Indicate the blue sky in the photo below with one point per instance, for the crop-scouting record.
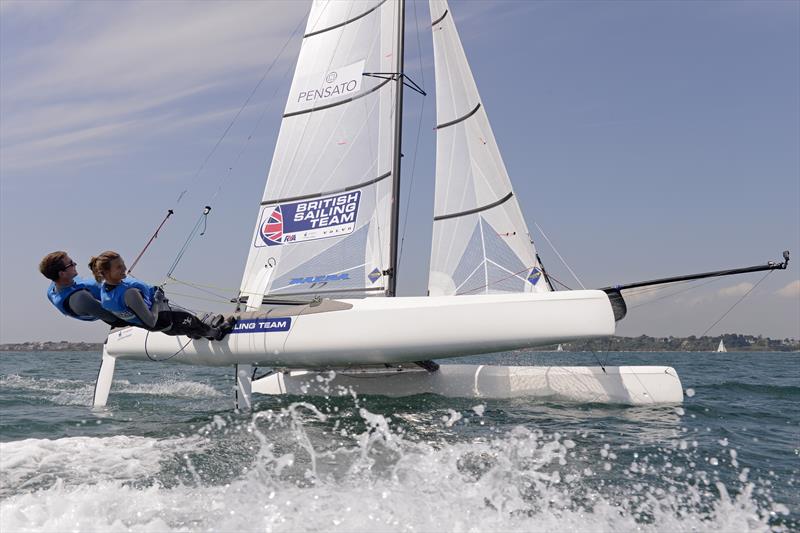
(647, 139)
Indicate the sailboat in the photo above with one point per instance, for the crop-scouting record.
(721, 347)
(317, 302)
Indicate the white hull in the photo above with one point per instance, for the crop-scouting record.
(387, 330)
(627, 385)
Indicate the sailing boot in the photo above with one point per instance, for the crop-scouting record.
(225, 328)
(212, 321)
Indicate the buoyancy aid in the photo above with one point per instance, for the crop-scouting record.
(113, 298)
(59, 297)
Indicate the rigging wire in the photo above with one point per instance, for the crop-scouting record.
(204, 216)
(244, 105)
(195, 229)
(497, 281)
(737, 302)
(654, 289)
(558, 254)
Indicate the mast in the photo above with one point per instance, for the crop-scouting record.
(398, 137)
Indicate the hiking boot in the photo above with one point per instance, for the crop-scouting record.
(213, 321)
(225, 328)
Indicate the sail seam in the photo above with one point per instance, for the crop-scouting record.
(437, 21)
(320, 108)
(456, 121)
(362, 15)
(475, 210)
(319, 194)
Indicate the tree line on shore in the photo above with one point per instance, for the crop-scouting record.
(734, 342)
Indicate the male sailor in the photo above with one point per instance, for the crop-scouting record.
(145, 306)
(72, 295)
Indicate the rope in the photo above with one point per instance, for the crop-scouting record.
(549, 275)
(737, 303)
(146, 246)
(205, 289)
(147, 353)
(189, 239)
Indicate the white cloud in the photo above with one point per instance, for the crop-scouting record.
(108, 68)
(736, 290)
(791, 290)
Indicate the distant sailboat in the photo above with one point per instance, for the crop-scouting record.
(721, 347)
(560, 348)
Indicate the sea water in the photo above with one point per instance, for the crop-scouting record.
(169, 454)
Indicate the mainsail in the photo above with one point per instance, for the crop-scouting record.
(324, 222)
(480, 241)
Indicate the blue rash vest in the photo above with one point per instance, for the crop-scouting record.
(59, 297)
(113, 298)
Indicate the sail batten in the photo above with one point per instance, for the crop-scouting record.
(317, 195)
(339, 25)
(481, 243)
(460, 119)
(476, 209)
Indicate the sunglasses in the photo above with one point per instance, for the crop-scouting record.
(70, 265)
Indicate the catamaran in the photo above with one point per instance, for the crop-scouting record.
(318, 293)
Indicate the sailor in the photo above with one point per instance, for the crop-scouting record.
(72, 295)
(143, 305)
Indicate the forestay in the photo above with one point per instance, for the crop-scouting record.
(480, 241)
(324, 221)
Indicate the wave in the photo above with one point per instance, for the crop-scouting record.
(305, 467)
(522, 481)
(31, 464)
(382, 507)
(760, 388)
(78, 392)
(182, 389)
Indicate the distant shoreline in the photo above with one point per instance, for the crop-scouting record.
(643, 343)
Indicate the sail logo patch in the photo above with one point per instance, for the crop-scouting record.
(324, 87)
(374, 275)
(262, 325)
(308, 220)
(535, 276)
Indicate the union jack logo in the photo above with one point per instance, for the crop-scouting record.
(272, 229)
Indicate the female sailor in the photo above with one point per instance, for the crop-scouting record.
(143, 305)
